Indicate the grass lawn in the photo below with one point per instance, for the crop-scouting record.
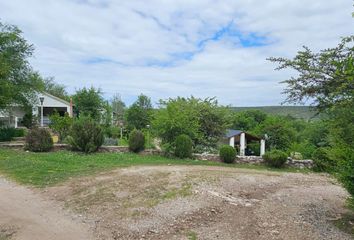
(44, 169)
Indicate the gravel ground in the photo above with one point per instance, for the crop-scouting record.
(176, 202)
(203, 202)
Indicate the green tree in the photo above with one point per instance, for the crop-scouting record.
(327, 78)
(202, 120)
(18, 82)
(60, 124)
(89, 102)
(55, 89)
(139, 114)
(280, 133)
(118, 108)
(248, 120)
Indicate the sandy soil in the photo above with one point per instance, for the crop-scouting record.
(177, 202)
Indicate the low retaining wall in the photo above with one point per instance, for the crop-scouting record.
(255, 160)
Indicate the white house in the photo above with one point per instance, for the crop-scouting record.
(46, 104)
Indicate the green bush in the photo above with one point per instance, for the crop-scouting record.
(227, 154)
(28, 120)
(61, 125)
(322, 160)
(39, 140)
(136, 141)
(86, 135)
(275, 158)
(7, 134)
(183, 146)
(110, 141)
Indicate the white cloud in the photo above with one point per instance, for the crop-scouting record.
(125, 41)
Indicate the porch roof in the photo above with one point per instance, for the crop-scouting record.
(233, 132)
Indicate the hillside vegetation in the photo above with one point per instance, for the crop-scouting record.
(303, 112)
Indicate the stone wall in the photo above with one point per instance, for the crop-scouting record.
(307, 163)
(255, 160)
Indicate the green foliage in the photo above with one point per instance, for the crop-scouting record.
(227, 153)
(28, 120)
(55, 89)
(110, 142)
(202, 120)
(298, 112)
(89, 102)
(327, 79)
(280, 133)
(139, 115)
(18, 82)
(248, 120)
(39, 140)
(118, 108)
(304, 147)
(322, 160)
(136, 141)
(61, 124)
(86, 135)
(183, 146)
(111, 131)
(275, 158)
(8, 133)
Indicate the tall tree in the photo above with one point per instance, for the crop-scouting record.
(18, 82)
(327, 78)
(89, 102)
(139, 114)
(118, 108)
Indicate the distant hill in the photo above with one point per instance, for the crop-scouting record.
(304, 112)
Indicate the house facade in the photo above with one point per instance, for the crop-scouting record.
(45, 105)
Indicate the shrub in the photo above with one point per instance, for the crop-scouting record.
(39, 140)
(110, 142)
(227, 154)
(85, 135)
(183, 146)
(275, 158)
(296, 156)
(136, 141)
(322, 160)
(6, 134)
(112, 132)
(28, 120)
(61, 125)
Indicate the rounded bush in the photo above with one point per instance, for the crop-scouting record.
(227, 154)
(39, 140)
(183, 146)
(86, 135)
(322, 162)
(136, 141)
(275, 158)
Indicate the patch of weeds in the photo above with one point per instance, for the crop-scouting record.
(6, 233)
(183, 191)
(192, 235)
(346, 222)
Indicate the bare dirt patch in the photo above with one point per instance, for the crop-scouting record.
(26, 215)
(204, 202)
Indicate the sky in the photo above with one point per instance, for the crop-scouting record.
(166, 48)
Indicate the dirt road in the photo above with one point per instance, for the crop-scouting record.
(26, 215)
(178, 202)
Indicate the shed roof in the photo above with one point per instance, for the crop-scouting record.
(233, 132)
